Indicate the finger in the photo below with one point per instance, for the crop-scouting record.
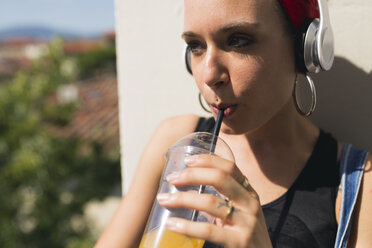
(207, 203)
(203, 230)
(213, 161)
(220, 180)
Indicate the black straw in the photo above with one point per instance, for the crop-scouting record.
(216, 131)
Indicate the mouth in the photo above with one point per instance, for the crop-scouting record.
(228, 109)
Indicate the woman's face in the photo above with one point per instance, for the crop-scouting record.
(242, 55)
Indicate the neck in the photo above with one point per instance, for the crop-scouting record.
(286, 128)
(277, 151)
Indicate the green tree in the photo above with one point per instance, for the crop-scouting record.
(97, 61)
(45, 180)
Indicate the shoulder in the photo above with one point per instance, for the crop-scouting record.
(168, 132)
(152, 160)
(178, 125)
(173, 128)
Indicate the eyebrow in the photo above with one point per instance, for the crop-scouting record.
(227, 28)
(188, 34)
(240, 24)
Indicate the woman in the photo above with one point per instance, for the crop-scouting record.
(243, 61)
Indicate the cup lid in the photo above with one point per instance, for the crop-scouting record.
(204, 141)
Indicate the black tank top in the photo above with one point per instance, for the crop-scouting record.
(304, 216)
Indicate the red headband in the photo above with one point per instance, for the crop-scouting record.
(299, 10)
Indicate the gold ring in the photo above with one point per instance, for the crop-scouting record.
(245, 183)
(230, 210)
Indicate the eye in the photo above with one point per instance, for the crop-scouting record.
(239, 41)
(194, 46)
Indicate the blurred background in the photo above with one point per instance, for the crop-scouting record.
(59, 130)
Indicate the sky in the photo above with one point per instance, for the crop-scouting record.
(83, 16)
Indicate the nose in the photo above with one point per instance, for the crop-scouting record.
(214, 70)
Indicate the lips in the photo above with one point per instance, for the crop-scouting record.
(229, 109)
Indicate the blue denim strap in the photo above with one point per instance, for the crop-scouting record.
(351, 171)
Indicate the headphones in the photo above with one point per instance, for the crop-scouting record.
(314, 46)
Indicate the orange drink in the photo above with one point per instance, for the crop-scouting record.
(156, 234)
(169, 239)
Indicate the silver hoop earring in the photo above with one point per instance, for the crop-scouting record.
(202, 105)
(313, 97)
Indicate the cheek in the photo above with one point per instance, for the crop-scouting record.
(246, 74)
(260, 80)
(280, 74)
(249, 77)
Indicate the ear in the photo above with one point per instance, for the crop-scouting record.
(188, 59)
(300, 45)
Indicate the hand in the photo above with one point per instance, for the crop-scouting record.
(240, 225)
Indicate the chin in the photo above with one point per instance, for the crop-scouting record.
(237, 127)
(227, 129)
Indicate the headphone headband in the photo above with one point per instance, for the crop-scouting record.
(325, 49)
(300, 10)
(315, 37)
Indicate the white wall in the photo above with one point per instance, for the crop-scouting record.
(153, 82)
(150, 60)
(352, 25)
(345, 103)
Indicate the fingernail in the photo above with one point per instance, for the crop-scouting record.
(173, 176)
(163, 197)
(174, 225)
(190, 160)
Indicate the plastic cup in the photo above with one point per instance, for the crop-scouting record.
(156, 235)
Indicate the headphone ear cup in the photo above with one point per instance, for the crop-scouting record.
(300, 48)
(188, 59)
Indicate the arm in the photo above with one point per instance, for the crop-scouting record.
(126, 226)
(360, 233)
